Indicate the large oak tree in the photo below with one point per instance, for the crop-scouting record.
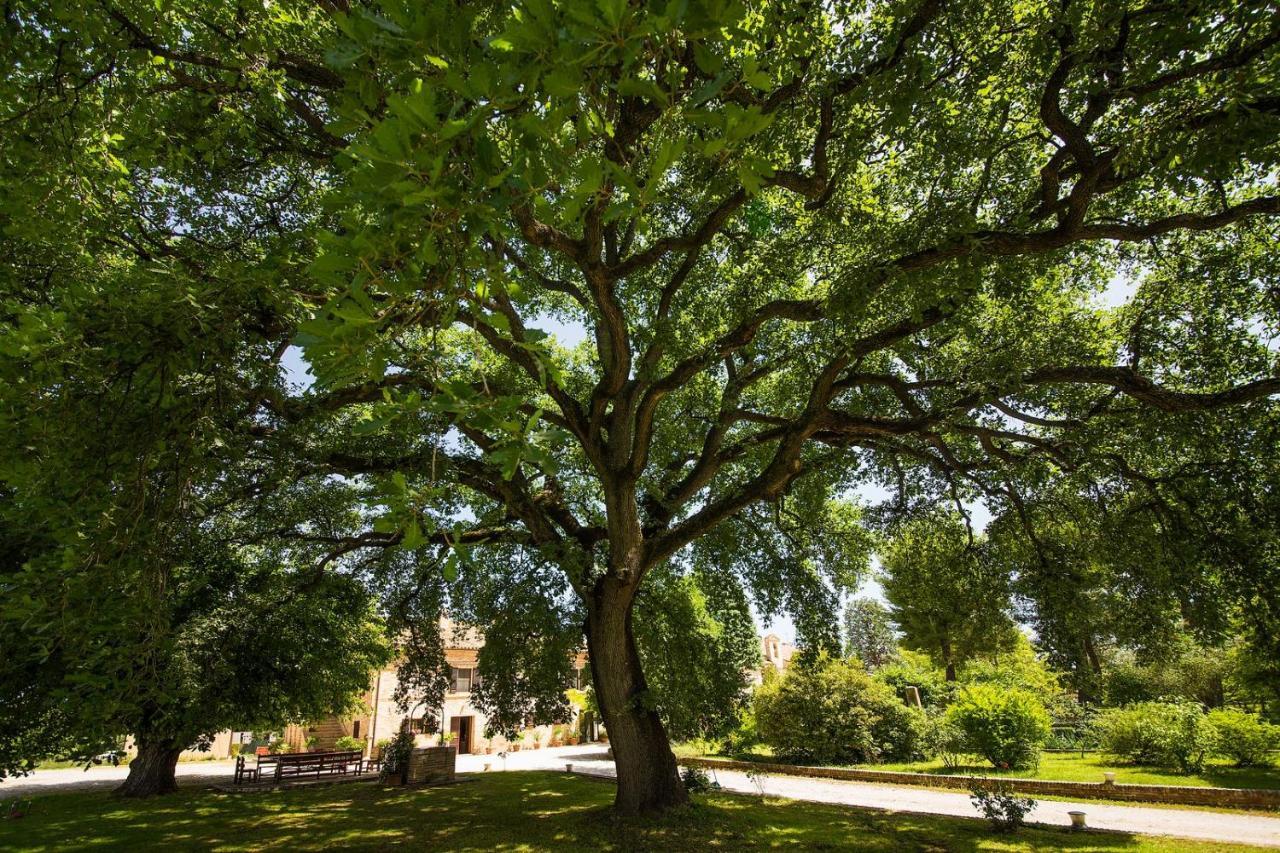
(810, 246)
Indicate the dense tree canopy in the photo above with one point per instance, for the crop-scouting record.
(947, 597)
(811, 246)
(868, 632)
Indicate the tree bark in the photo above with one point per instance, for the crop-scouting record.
(648, 778)
(152, 771)
(946, 658)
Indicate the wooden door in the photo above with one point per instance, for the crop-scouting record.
(461, 728)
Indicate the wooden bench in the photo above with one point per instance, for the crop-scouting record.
(299, 764)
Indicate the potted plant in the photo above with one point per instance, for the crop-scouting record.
(448, 738)
(347, 743)
(395, 759)
(310, 743)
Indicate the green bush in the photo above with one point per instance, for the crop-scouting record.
(1161, 734)
(347, 743)
(1244, 738)
(396, 755)
(745, 736)
(1006, 726)
(1000, 804)
(913, 669)
(830, 711)
(944, 740)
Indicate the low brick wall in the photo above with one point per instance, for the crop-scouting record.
(431, 764)
(1182, 795)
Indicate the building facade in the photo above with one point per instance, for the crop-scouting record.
(463, 721)
(382, 718)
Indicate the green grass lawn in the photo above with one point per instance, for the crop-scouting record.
(1072, 767)
(508, 811)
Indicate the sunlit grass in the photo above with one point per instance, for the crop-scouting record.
(508, 812)
(1072, 767)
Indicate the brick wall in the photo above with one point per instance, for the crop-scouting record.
(1182, 795)
(431, 764)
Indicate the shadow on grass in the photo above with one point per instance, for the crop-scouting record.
(501, 811)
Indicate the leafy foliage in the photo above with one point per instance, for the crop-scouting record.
(1189, 672)
(697, 644)
(915, 669)
(868, 634)
(946, 597)
(1162, 734)
(349, 743)
(1006, 726)
(813, 248)
(1244, 738)
(999, 804)
(396, 755)
(830, 711)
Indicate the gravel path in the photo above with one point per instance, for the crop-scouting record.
(189, 773)
(1262, 830)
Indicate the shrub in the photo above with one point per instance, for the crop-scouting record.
(1007, 727)
(944, 740)
(695, 779)
(830, 711)
(999, 804)
(396, 754)
(745, 736)
(347, 743)
(1162, 734)
(1244, 738)
(913, 669)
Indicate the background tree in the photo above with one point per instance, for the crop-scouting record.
(868, 632)
(145, 591)
(697, 644)
(945, 596)
(810, 248)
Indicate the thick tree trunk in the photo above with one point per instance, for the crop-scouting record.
(152, 770)
(648, 778)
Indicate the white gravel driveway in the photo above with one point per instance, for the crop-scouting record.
(106, 778)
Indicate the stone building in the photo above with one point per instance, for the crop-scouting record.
(457, 715)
